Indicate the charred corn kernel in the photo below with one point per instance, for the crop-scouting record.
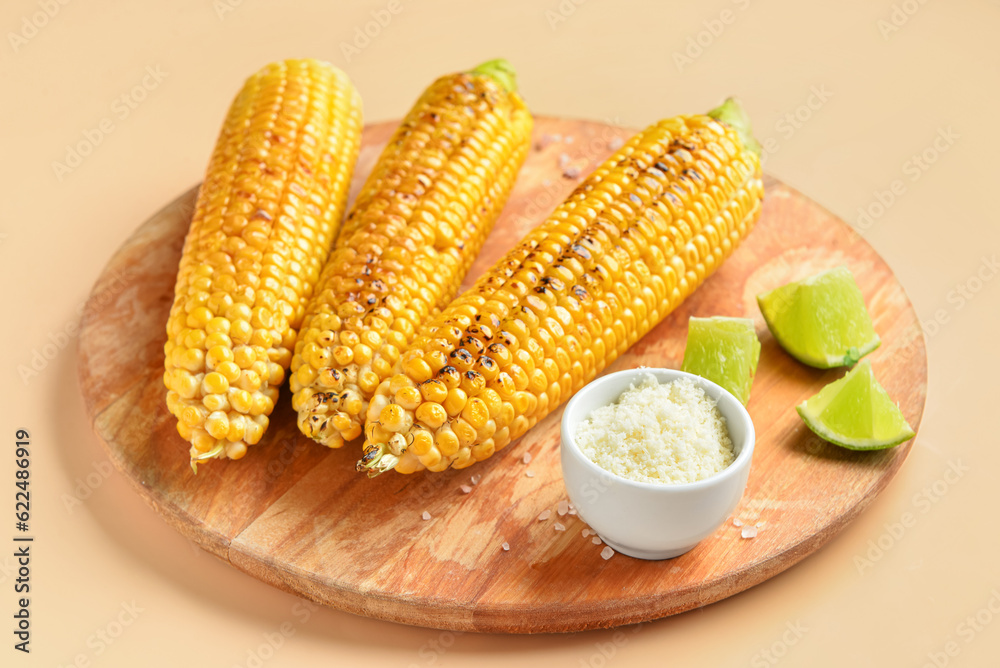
(266, 215)
(413, 232)
(634, 239)
(433, 390)
(352, 402)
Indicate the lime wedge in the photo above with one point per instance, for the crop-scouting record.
(856, 413)
(725, 351)
(821, 320)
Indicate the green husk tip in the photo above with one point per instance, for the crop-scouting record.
(501, 71)
(732, 113)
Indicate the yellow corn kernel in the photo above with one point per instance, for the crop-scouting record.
(393, 418)
(342, 355)
(475, 412)
(431, 414)
(236, 450)
(194, 415)
(217, 424)
(216, 402)
(240, 400)
(465, 432)
(214, 383)
(446, 441)
(408, 397)
(341, 421)
(434, 391)
(422, 442)
(398, 382)
(201, 440)
(417, 369)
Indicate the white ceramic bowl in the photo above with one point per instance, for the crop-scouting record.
(652, 520)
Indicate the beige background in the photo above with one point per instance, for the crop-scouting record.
(885, 97)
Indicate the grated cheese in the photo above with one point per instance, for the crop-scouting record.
(669, 433)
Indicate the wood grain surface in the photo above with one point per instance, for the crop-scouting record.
(297, 515)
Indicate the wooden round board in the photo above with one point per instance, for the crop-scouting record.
(297, 515)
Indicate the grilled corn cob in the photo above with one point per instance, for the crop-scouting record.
(419, 222)
(632, 241)
(265, 218)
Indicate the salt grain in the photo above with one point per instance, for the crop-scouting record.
(572, 511)
(596, 540)
(585, 533)
(505, 546)
(558, 527)
(426, 515)
(544, 515)
(607, 553)
(466, 489)
(571, 172)
(737, 522)
(749, 532)
(563, 160)
(530, 474)
(476, 478)
(563, 508)
(527, 458)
